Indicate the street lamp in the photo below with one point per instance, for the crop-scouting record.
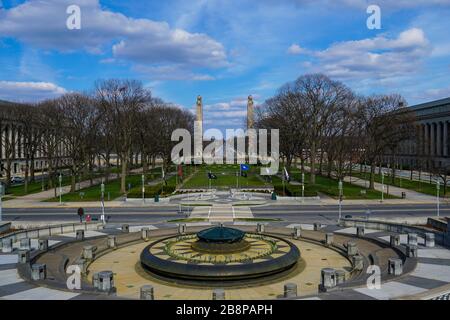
(2, 191)
(143, 187)
(382, 186)
(438, 186)
(60, 188)
(340, 198)
(368, 213)
(303, 186)
(102, 190)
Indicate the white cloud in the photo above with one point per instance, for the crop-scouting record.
(171, 72)
(374, 58)
(42, 23)
(397, 4)
(29, 91)
(295, 49)
(435, 94)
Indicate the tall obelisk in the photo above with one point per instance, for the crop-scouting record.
(199, 109)
(198, 132)
(250, 112)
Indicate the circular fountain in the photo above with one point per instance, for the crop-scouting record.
(219, 254)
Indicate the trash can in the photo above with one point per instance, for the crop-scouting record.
(403, 195)
(274, 196)
(157, 198)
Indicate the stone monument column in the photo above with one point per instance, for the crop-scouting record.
(250, 112)
(198, 132)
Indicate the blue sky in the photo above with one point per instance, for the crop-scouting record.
(224, 50)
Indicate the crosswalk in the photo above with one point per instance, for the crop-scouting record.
(432, 270)
(218, 213)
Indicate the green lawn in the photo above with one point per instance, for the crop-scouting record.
(34, 187)
(419, 186)
(133, 183)
(330, 187)
(226, 177)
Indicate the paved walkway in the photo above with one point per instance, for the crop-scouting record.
(429, 280)
(221, 213)
(35, 199)
(395, 191)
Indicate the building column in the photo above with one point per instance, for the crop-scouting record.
(439, 139)
(432, 139)
(423, 129)
(445, 138)
(427, 139)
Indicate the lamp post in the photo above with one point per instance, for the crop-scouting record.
(2, 190)
(382, 186)
(340, 185)
(42, 180)
(102, 190)
(60, 188)
(143, 187)
(303, 186)
(438, 186)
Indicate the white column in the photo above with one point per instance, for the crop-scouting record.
(432, 139)
(439, 139)
(427, 140)
(445, 138)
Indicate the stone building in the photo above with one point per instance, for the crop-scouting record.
(431, 146)
(12, 146)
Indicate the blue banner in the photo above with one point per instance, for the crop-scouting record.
(245, 167)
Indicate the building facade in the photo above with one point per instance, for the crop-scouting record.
(430, 147)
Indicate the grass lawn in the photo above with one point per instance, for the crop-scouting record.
(226, 177)
(419, 186)
(34, 187)
(330, 188)
(133, 183)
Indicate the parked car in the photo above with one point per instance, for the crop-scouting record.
(17, 180)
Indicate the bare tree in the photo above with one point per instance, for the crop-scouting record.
(31, 133)
(386, 125)
(122, 100)
(79, 127)
(9, 136)
(50, 120)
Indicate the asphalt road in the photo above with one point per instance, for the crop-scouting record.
(150, 215)
(329, 213)
(288, 213)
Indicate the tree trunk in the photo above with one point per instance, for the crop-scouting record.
(32, 170)
(107, 167)
(144, 164)
(27, 168)
(118, 165)
(73, 179)
(372, 177)
(8, 172)
(321, 162)
(312, 176)
(123, 178)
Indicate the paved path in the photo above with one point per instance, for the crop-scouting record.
(33, 198)
(395, 191)
(430, 279)
(12, 287)
(221, 213)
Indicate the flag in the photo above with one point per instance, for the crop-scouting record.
(286, 175)
(211, 175)
(245, 167)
